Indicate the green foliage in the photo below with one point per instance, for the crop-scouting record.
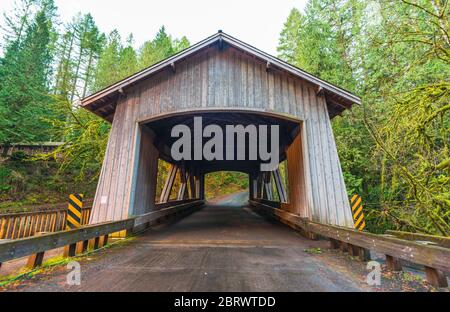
(85, 136)
(24, 76)
(85, 139)
(37, 106)
(24, 183)
(77, 53)
(395, 55)
(394, 150)
(116, 62)
(4, 181)
(223, 183)
(161, 47)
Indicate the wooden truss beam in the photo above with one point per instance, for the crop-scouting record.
(279, 186)
(267, 180)
(165, 194)
(183, 186)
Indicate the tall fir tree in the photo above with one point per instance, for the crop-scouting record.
(25, 71)
(395, 56)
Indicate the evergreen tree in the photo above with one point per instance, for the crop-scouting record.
(161, 47)
(108, 70)
(78, 52)
(395, 56)
(290, 37)
(24, 81)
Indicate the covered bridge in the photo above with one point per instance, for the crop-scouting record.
(224, 81)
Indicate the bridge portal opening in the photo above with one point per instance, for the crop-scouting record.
(223, 184)
(162, 177)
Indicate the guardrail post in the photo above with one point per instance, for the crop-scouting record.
(351, 250)
(35, 260)
(343, 247)
(105, 240)
(70, 251)
(393, 264)
(334, 244)
(311, 236)
(356, 251)
(96, 243)
(436, 278)
(82, 247)
(363, 254)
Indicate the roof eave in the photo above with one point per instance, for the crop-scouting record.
(115, 89)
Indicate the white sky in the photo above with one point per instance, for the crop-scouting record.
(258, 23)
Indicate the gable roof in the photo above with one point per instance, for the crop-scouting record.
(338, 98)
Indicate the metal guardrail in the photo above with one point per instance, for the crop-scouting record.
(436, 259)
(22, 225)
(36, 246)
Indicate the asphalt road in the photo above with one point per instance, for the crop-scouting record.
(220, 248)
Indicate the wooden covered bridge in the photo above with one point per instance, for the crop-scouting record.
(223, 82)
(226, 82)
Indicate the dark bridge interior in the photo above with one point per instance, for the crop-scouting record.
(162, 128)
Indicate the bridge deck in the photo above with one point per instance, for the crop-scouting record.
(220, 248)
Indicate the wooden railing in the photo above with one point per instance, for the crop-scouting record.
(422, 238)
(435, 259)
(95, 235)
(22, 225)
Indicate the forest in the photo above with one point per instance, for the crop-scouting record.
(394, 148)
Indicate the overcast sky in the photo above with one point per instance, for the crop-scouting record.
(256, 22)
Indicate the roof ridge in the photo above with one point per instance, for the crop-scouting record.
(219, 36)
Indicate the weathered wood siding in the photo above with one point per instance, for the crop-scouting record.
(143, 187)
(223, 79)
(299, 202)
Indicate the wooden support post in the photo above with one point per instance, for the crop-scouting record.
(192, 186)
(197, 186)
(352, 250)
(70, 251)
(202, 187)
(436, 278)
(3, 229)
(279, 185)
(94, 243)
(35, 260)
(182, 190)
(82, 247)
(343, 246)
(267, 181)
(105, 240)
(312, 236)
(393, 264)
(334, 244)
(97, 243)
(259, 186)
(165, 194)
(252, 186)
(362, 253)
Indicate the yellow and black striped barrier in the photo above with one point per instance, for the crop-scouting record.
(358, 215)
(74, 211)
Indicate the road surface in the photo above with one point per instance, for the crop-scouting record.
(219, 248)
